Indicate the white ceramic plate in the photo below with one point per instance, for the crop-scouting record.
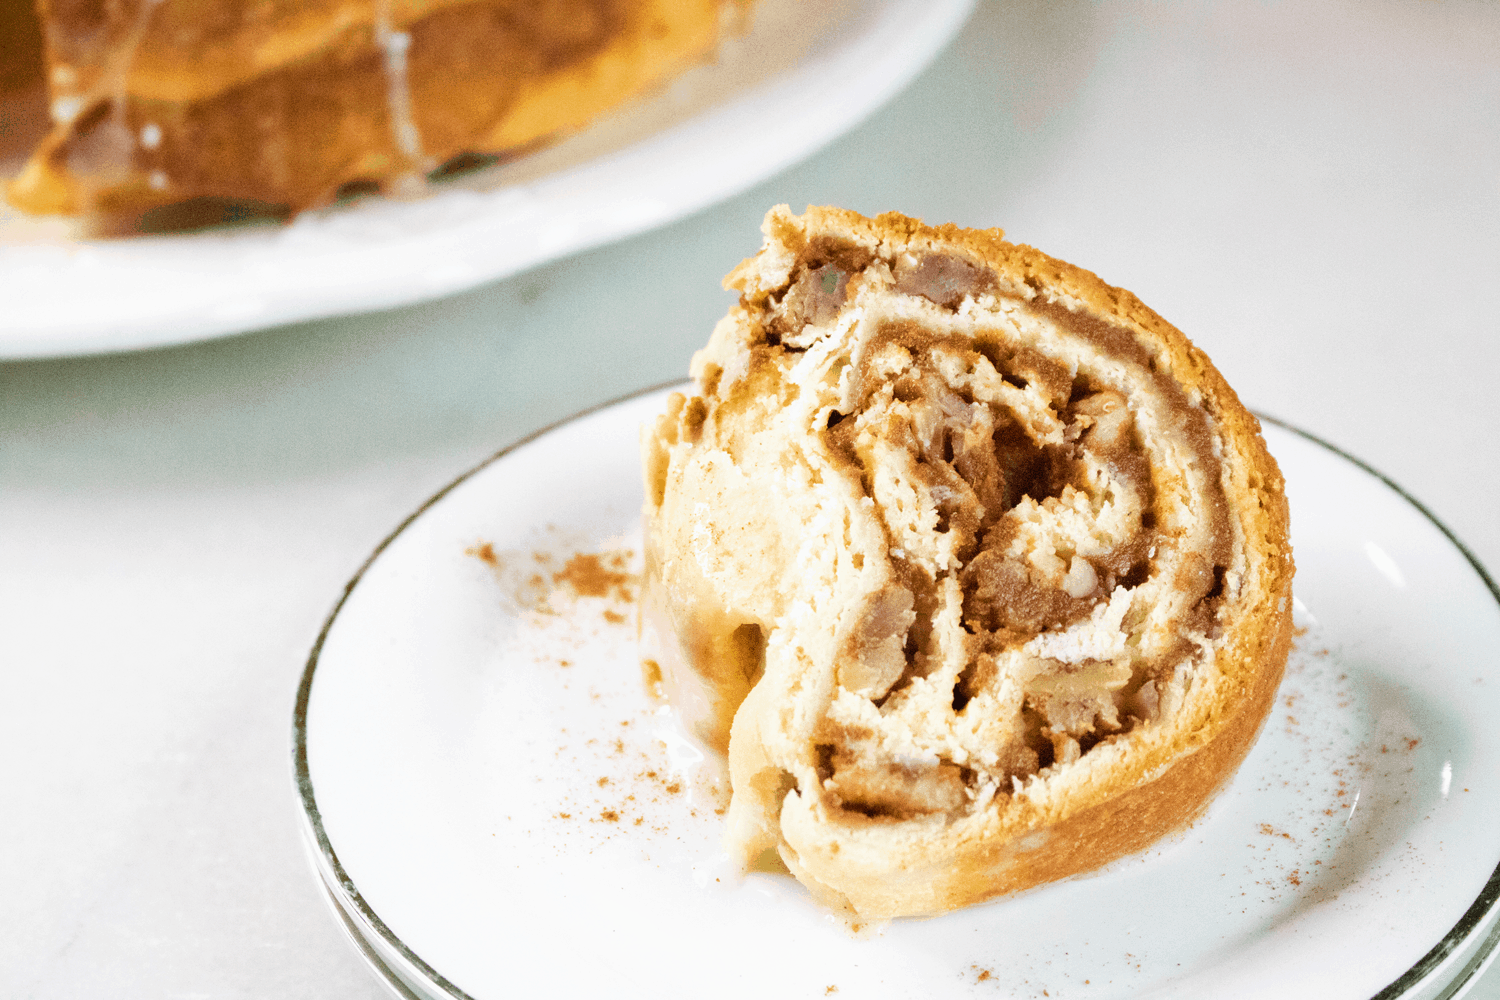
(804, 75)
(498, 810)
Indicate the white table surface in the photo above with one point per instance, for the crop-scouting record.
(1311, 191)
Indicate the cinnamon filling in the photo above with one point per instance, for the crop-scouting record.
(1050, 568)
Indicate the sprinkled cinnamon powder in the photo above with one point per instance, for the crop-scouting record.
(597, 575)
(528, 583)
(484, 551)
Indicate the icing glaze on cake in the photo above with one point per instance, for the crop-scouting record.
(287, 104)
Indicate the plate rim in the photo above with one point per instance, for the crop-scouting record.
(337, 882)
(1485, 903)
(329, 870)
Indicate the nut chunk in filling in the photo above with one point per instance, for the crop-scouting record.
(974, 565)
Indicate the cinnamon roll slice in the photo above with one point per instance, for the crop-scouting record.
(976, 567)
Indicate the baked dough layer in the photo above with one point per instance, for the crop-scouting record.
(974, 564)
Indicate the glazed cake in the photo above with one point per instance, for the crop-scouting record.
(973, 564)
(287, 104)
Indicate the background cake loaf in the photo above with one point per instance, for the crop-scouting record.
(287, 103)
(975, 565)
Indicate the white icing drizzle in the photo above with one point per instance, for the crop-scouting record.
(398, 98)
(107, 153)
(65, 109)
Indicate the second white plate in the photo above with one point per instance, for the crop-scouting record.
(498, 810)
(801, 78)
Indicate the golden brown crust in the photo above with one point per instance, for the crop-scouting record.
(721, 477)
(287, 104)
(1131, 813)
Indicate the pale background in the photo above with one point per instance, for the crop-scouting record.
(1310, 190)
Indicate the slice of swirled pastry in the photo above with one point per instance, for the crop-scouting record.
(983, 559)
